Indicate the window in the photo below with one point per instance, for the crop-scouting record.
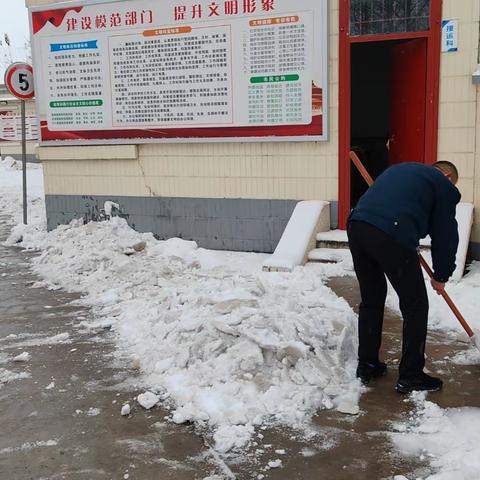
(370, 17)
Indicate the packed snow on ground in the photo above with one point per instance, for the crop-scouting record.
(23, 357)
(223, 343)
(6, 376)
(37, 340)
(448, 438)
(27, 446)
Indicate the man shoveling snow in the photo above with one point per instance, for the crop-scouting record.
(406, 203)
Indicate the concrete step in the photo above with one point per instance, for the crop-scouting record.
(334, 239)
(328, 255)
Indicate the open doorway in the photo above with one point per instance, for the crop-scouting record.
(388, 101)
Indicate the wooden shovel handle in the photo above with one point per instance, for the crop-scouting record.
(366, 176)
(363, 171)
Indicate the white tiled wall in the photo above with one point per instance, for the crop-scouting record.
(281, 170)
(458, 118)
(295, 170)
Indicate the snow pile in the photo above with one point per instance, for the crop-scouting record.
(222, 343)
(227, 348)
(449, 439)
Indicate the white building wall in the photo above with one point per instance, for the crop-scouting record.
(459, 122)
(277, 170)
(295, 170)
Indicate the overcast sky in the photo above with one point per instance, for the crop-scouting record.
(14, 22)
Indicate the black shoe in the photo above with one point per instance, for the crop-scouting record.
(421, 382)
(367, 371)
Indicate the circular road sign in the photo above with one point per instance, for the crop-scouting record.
(19, 80)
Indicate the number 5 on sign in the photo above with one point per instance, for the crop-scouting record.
(19, 81)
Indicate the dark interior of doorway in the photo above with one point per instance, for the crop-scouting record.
(370, 110)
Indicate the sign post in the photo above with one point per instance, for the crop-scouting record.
(19, 81)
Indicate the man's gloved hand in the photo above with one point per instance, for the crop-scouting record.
(439, 287)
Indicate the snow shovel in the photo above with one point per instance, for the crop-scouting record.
(474, 339)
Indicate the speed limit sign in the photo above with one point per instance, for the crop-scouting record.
(19, 80)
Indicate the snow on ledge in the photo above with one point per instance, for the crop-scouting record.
(333, 236)
(465, 221)
(299, 236)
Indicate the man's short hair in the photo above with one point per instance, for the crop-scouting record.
(447, 167)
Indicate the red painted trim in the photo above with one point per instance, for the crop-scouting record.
(344, 115)
(55, 17)
(432, 94)
(433, 82)
(313, 129)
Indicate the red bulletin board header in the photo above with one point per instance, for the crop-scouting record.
(139, 72)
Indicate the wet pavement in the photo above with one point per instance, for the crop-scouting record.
(63, 421)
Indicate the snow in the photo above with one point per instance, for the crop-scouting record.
(6, 376)
(11, 196)
(308, 452)
(223, 344)
(333, 236)
(148, 400)
(348, 408)
(108, 206)
(465, 296)
(275, 463)
(37, 340)
(448, 438)
(217, 339)
(235, 436)
(340, 256)
(27, 446)
(297, 238)
(22, 357)
(93, 412)
(464, 217)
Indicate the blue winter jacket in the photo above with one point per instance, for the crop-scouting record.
(410, 201)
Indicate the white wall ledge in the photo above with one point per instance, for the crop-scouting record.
(93, 152)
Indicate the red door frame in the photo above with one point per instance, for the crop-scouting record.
(433, 37)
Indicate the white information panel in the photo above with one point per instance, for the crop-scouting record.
(181, 70)
(11, 126)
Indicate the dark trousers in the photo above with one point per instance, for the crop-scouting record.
(376, 255)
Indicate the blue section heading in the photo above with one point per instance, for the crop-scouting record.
(59, 47)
